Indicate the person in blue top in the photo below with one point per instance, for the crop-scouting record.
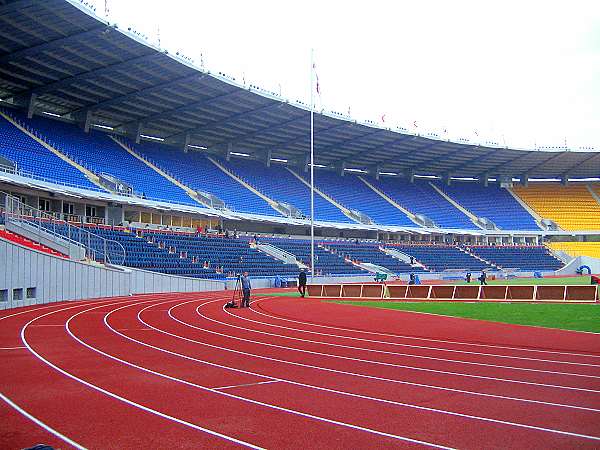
(246, 286)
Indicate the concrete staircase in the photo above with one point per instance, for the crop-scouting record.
(347, 212)
(189, 191)
(405, 211)
(282, 255)
(489, 263)
(272, 203)
(458, 206)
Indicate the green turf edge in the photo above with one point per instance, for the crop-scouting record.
(575, 317)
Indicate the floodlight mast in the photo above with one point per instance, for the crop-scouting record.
(312, 167)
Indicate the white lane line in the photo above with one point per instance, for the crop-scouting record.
(11, 348)
(420, 369)
(424, 347)
(236, 397)
(408, 355)
(349, 394)
(41, 424)
(400, 336)
(436, 387)
(246, 384)
(17, 407)
(47, 325)
(134, 329)
(118, 397)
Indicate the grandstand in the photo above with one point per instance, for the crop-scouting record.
(572, 207)
(591, 249)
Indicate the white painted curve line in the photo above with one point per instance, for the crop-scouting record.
(421, 369)
(41, 424)
(17, 407)
(408, 355)
(245, 385)
(11, 348)
(236, 397)
(400, 336)
(334, 391)
(421, 347)
(118, 397)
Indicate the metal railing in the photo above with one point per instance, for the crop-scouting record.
(46, 226)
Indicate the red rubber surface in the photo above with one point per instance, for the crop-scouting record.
(179, 371)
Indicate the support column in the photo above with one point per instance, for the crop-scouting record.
(31, 105)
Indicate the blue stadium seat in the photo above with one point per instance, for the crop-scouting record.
(492, 202)
(420, 198)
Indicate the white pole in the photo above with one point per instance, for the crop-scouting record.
(312, 171)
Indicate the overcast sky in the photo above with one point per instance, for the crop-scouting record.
(527, 70)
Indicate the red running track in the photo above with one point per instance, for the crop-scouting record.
(180, 371)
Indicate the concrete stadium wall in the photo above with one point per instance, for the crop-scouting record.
(576, 263)
(47, 278)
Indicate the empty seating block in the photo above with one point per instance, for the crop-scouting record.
(522, 257)
(572, 207)
(277, 183)
(492, 202)
(353, 194)
(326, 263)
(439, 257)
(196, 171)
(591, 249)
(420, 198)
(370, 253)
(31, 156)
(98, 153)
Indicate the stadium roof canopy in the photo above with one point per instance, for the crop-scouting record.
(58, 57)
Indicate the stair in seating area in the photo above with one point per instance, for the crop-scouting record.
(18, 239)
(91, 176)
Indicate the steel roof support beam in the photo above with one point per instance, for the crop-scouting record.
(56, 43)
(138, 92)
(95, 73)
(302, 137)
(15, 6)
(586, 160)
(216, 123)
(463, 164)
(538, 165)
(492, 170)
(188, 107)
(424, 147)
(266, 129)
(386, 146)
(345, 141)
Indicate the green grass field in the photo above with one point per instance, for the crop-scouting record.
(582, 317)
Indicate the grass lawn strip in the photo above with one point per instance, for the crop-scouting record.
(562, 316)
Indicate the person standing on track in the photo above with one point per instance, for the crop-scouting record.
(246, 287)
(302, 283)
(483, 278)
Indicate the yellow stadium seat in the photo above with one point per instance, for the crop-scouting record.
(572, 207)
(577, 248)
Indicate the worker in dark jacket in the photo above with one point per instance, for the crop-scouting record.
(302, 283)
(246, 286)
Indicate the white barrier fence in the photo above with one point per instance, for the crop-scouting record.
(528, 293)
